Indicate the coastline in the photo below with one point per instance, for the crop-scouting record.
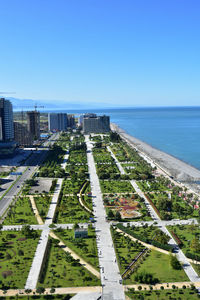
(172, 166)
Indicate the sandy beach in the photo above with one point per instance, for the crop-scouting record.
(180, 170)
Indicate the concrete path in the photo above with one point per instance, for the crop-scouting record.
(87, 296)
(35, 210)
(121, 169)
(64, 163)
(41, 248)
(85, 290)
(110, 276)
(53, 204)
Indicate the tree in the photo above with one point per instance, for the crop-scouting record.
(110, 214)
(195, 245)
(118, 216)
(176, 265)
(40, 290)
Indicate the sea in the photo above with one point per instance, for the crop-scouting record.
(175, 130)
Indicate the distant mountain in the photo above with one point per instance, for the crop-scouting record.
(28, 104)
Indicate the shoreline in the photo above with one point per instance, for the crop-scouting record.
(172, 166)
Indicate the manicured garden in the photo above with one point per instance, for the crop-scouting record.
(42, 202)
(188, 236)
(131, 207)
(17, 249)
(20, 213)
(69, 210)
(172, 206)
(61, 270)
(116, 186)
(84, 247)
(127, 250)
(148, 234)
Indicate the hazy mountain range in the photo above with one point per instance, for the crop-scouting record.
(28, 104)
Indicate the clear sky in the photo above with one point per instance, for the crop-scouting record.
(122, 52)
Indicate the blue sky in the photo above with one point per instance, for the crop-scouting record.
(127, 52)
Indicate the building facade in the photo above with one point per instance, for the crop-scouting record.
(57, 121)
(33, 123)
(22, 135)
(6, 121)
(71, 121)
(7, 144)
(96, 124)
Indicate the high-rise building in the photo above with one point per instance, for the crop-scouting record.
(6, 121)
(33, 122)
(7, 144)
(22, 135)
(57, 121)
(71, 121)
(96, 124)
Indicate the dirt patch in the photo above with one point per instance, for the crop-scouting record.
(22, 239)
(7, 273)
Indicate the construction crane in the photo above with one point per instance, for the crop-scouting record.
(38, 106)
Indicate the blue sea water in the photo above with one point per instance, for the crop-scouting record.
(175, 130)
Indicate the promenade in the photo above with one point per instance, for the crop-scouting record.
(112, 288)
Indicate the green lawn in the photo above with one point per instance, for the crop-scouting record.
(72, 187)
(16, 255)
(165, 273)
(70, 211)
(127, 250)
(42, 203)
(186, 233)
(86, 248)
(21, 213)
(177, 294)
(116, 186)
(172, 207)
(63, 271)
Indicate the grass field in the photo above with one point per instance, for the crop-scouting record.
(86, 248)
(16, 255)
(63, 271)
(70, 211)
(116, 186)
(20, 213)
(127, 250)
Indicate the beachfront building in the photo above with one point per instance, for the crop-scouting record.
(96, 124)
(57, 121)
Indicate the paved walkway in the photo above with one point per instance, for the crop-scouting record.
(85, 290)
(121, 169)
(41, 248)
(64, 163)
(35, 210)
(189, 270)
(110, 276)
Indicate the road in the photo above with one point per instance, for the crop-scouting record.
(31, 164)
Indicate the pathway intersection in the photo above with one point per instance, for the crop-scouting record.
(112, 288)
